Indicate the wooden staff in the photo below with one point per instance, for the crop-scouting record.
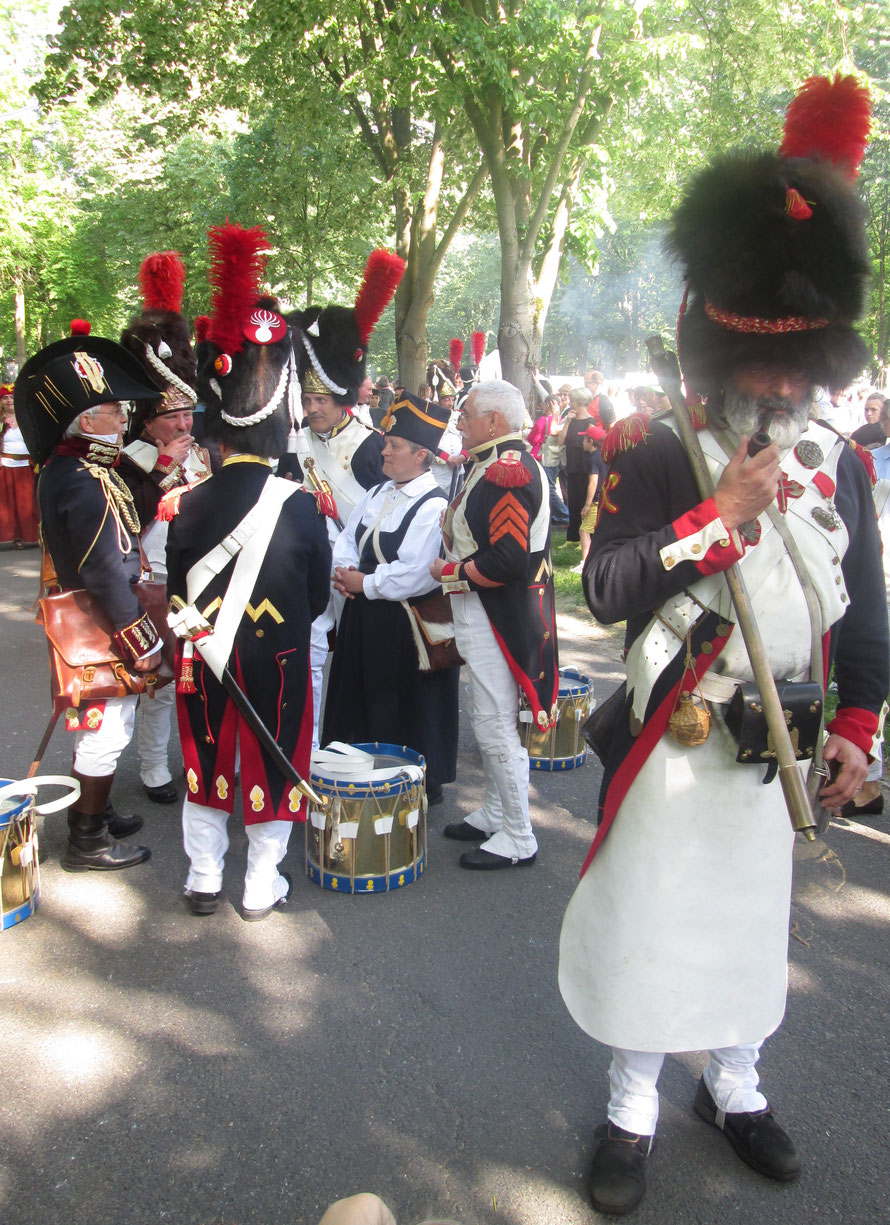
(794, 788)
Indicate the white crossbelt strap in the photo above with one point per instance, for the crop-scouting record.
(255, 530)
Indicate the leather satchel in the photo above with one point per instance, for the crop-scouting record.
(85, 663)
(432, 625)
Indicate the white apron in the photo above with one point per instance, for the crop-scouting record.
(676, 938)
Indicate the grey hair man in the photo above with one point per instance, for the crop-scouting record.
(499, 573)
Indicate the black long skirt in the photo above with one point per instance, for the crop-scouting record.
(377, 692)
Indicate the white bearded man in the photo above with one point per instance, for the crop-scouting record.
(676, 937)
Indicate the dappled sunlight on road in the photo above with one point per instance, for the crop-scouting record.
(104, 907)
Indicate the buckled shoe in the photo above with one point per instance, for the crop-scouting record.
(618, 1173)
(755, 1135)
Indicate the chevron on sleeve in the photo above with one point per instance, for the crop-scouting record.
(509, 517)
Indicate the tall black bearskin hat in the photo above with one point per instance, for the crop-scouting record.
(331, 344)
(774, 249)
(247, 377)
(159, 337)
(68, 377)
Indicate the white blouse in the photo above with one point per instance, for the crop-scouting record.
(410, 574)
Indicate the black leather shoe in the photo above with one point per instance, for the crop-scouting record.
(254, 916)
(873, 808)
(201, 903)
(485, 861)
(109, 858)
(121, 827)
(165, 794)
(435, 795)
(462, 831)
(618, 1174)
(755, 1135)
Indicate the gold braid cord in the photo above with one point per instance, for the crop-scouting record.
(119, 501)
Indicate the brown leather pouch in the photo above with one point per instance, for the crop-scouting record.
(433, 619)
(85, 663)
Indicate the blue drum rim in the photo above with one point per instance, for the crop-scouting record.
(362, 789)
(397, 879)
(12, 918)
(7, 817)
(571, 690)
(557, 763)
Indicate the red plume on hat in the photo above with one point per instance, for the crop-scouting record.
(455, 351)
(80, 327)
(202, 327)
(477, 347)
(383, 271)
(237, 261)
(830, 120)
(162, 280)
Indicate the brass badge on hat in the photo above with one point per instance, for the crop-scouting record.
(264, 327)
(88, 369)
(808, 453)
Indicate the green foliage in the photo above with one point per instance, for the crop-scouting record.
(319, 121)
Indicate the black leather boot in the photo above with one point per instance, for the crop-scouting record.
(90, 845)
(121, 827)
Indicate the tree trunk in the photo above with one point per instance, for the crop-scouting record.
(519, 334)
(21, 352)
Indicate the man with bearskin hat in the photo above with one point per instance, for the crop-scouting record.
(676, 937)
(499, 574)
(338, 455)
(376, 689)
(68, 404)
(160, 456)
(248, 553)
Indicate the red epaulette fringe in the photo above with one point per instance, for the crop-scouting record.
(168, 507)
(508, 471)
(698, 415)
(624, 435)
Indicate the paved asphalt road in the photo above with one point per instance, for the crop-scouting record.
(164, 1068)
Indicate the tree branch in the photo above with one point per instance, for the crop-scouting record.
(585, 84)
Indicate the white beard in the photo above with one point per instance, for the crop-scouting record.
(743, 414)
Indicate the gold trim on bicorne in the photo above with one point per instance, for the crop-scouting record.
(397, 406)
(246, 459)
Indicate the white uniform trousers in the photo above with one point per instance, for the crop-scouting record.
(153, 735)
(96, 752)
(318, 654)
(206, 841)
(494, 710)
(731, 1077)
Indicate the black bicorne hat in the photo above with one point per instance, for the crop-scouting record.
(68, 377)
(417, 420)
